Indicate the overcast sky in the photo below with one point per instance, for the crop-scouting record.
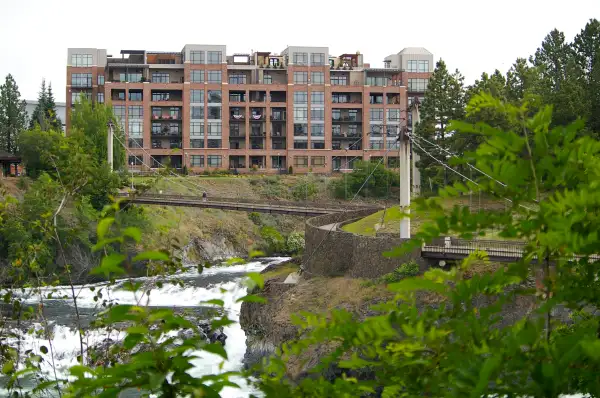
(468, 35)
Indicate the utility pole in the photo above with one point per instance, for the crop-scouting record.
(404, 160)
(110, 145)
(416, 174)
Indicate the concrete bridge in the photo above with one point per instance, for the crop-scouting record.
(309, 209)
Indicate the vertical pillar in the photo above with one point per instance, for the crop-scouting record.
(110, 146)
(404, 163)
(416, 173)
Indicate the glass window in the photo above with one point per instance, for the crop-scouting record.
(100, 80)
(317, 59)
(317, 114)
(214, 76)
(135, 160)
(376, 145)
(339, 80)
(130, 77)
(213, 57)
(197, 76)
(300, 58)
(158, 96)
(197, 57)
(300, 144)
(300, 161)
(317, 97)
(160, 77)
(100, 98)
(300, 97)
(317, 130)
(418, 66)
(317, 160)
(379, 81)
(267, 79)
(79, 96)
(197, 161)
(197, 112)
(196, 129)
(336, 114)
(156, 128)
(136, 112)
(214, 129)
(393, 115)
(119, 111)
(300, 129)
(417, 84)
(214, 96)
(237, 78)
(214, 160)
(317, 78)
(375, 115)
(136, 128)
(317, 145)
(376, 130)
(135, 143)
(81, 80)
(214, 112)
(353, 130)
(300, 77)
(391, 130)
(197, 96)
(300, 114)
(135, 96)
(81, 60)
(197, 143)
(213, 143)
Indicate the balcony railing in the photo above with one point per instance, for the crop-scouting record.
(278, 134)
(346, 119)
(166, 117)
(258, 134)
(237, 117)
(237, 134)
(166, 133)
(278, 118)
(346, 135)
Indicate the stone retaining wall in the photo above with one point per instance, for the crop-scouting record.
(340, 253)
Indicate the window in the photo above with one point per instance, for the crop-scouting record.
(100, 98)
(317, 130)
(376, 130)
(317, 59)
(353, 130)
(300, 130)
(160, 96)
(300, 58)
(81, 60)
(136, 128)
(197, 112)
(267, 79)
(119, 111)
(391, 130)
(213, 143)
(79, 96)
(300, 144)
(336, 130)
(100, 80)
(336, 114)
(214, 76)
(418, 66)
(339, 80)
(317, 97)
(317, 145)
(214, 96)
(197, 76)
(197, 57)
(300, 161)
(375, 115)
(174, 112)
(300, 77)
(135, 161)
(196, 129)
(391, 144)
(317, 78)
(353, 115)
(197, 96)
(135, 96)
(156, 112)
(417, 84)
(197, 161)
(317, 160)
(156, 128)
(136, 112)
(197, 143)
(317, 114)
(393, 115)
(130, 77)
(237, 97)
(214, 112)
(81, 80)
(135, 143)
(300, 114)
(214, 129)
(300, 97)
(378, 81)
(213, 57)
(376, 145)
(160, 77)
(214, 160)
(237, 78)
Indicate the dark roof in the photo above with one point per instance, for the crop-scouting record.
(9, 156)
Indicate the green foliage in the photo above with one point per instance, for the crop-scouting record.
(12, 115)
(405, 270)
(254, 217)
(369, 179)
(44, 115)
(273, 239)
(305, 188)
(294, 243)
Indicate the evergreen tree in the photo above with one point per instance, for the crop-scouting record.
(586, 46)
(50, 114)
(444, 101)
(13, 117)
(520, 80)
(38, 115)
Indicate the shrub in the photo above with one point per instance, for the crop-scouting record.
(295, 243)
(305, 188)
(290, 170)
(405, 270)
(381, 180)
(254, 217)
(273, 240)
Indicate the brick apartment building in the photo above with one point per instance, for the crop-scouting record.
(302, 108)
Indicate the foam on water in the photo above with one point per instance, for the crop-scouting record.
(65, 340)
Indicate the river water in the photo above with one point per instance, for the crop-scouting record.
(197, 288)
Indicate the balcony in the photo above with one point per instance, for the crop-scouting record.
(176, 116)
(346, 119)
(237, 134)
(343, 135)
(166, 132)
(278, 117)
(237, 117)
(257, 117)
(258, 134)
